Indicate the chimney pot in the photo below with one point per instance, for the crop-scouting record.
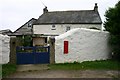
(45, 10)
(96, 7)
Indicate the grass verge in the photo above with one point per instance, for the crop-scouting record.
(0, 71)
(7, 69)
(92, 65)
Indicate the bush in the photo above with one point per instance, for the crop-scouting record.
(112, 24)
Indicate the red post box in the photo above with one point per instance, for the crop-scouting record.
(65, 47)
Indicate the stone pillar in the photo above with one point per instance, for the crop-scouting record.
(52, 50)
(12, 50)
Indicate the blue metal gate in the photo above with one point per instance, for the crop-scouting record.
(33, 55)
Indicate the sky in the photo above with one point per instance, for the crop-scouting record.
(15, 13)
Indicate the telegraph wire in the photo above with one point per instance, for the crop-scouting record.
(43, 3)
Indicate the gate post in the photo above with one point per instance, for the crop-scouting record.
(52, 50)
(13, 44)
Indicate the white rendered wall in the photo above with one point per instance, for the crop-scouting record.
(4, 49)
(84, 45)
(60, 28)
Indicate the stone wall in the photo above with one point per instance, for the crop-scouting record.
(13, 50)
(52, 50)
(84, 45)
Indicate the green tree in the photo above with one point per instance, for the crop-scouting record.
(27, 41)
(112, 24)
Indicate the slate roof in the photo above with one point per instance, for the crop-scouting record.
(6, 32)
(25, 29)
(70, 17)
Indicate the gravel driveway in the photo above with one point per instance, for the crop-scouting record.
(66, 74)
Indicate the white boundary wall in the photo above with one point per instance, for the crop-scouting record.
(4, 49)
(84, 45)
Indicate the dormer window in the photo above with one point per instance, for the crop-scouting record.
(53, 27)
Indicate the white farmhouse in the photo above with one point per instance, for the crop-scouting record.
(59, 22)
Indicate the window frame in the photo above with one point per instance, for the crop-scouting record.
(53, 27)
(68, 28)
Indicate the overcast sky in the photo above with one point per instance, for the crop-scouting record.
(14, 13)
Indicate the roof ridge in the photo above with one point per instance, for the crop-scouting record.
(70, 11)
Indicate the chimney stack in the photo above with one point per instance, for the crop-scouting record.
(45, 10)
(95, 7)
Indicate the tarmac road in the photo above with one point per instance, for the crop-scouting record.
(66, 74)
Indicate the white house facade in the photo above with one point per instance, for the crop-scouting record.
(58, 29)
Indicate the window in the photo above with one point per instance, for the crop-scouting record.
(29, 25)
(67, 28)
(53, 27)
(46, 40)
